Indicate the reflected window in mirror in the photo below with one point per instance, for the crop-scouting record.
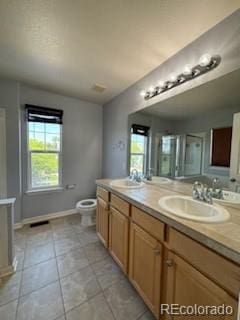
(221, 139)
(138, 148)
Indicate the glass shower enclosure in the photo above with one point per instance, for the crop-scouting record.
(179, 155)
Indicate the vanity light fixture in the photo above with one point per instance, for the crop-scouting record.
(206, 64)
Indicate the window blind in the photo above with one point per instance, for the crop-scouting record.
(139, 129)
(43, 114)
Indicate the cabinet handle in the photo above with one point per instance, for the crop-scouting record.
(169, 262)
(157, 251)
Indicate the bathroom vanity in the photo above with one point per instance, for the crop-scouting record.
(166, 258)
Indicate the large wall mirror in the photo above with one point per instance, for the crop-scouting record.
(188, 136)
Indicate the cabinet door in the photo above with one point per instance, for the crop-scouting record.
(102, 221)
(118, 238)
(145, 266)
(186, 286)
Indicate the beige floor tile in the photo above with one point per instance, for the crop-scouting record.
(20, 260)
(78, 228)
(38, 254)
(9, 288)
(39, 276)
(107, 272)
(124, 301)
(74, 219)
(88, 236)
(79, 287)
(59, 224)
(71, 262)
(65, 245)
(94, 309)
(63, 233)
(39, 239)
(147, 316)
(44, 304)
(19, 241)
(95, 252)
(8, 311)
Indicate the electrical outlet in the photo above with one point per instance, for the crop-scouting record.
(70, 186)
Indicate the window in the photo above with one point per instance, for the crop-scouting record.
(44, 131)
(221, 139)
(138, 151)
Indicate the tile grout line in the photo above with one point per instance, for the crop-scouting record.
(64, 311)
(20, 286)
(109, 306)
(90, 265)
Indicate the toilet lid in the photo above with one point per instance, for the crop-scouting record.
(87, 203)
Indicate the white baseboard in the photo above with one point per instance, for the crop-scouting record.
(49, 216)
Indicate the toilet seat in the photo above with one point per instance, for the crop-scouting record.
(87, 204)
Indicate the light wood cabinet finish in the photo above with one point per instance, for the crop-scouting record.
(145, 266)
(187, 286)
(102, 221)
(217, 268)
(120, 204)
(148, 223)
(104, 194)
(165, 267)
(119, 238)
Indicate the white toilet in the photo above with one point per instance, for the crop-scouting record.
(87, 209)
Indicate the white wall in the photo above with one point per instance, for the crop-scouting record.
(82, 152)
(82, 149)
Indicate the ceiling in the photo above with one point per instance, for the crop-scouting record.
(67, 46)
(212, 96)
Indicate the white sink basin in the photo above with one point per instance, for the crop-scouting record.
(188, 208)
(158, 180)
(126, 183)
(230, 199)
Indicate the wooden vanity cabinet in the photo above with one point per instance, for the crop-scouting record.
(102, 217)
(145, 266)
(118, 238)
(163, 264)
(186, 286)
(119, 231)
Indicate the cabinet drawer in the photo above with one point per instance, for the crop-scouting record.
(148, 223)
(120, 204)
(104, 194)
(216, 267)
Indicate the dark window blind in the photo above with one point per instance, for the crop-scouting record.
(43, 114)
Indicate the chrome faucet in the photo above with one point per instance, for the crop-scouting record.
(149, 174)
(135, 176)
(201, 192)
(216, 191)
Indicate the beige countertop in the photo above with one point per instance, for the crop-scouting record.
(223, 238)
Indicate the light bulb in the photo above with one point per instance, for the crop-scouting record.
(151, 89)
(205, 60)
(161, 84)
(173, 77)
(187, 71)
(143, 93)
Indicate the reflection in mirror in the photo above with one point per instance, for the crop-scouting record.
(138, 148)
(188, 137)
(220, 156)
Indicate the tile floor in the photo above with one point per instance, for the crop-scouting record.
(64, 273)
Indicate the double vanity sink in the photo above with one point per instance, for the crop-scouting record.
(180, 243)
(185, 206)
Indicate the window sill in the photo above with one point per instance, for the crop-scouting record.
(47, 190)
